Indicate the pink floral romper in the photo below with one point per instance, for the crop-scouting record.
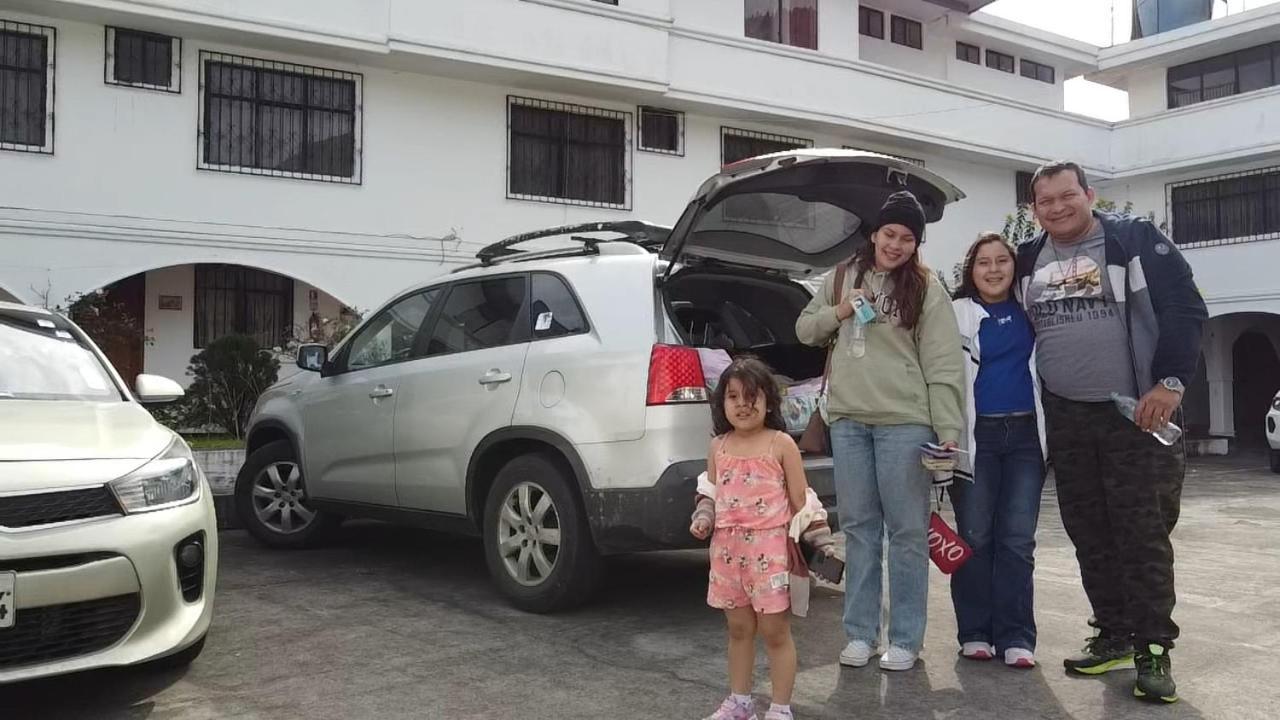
(749, 566)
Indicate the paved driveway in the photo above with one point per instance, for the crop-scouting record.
(395, 623)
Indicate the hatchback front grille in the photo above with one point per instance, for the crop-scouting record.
(57, 632)
(46, 508)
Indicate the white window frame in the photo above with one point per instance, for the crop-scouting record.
(175, 69)
(357, 123)
(51, 36)
(640, 113)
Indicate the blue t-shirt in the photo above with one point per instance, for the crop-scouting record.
(1004, 380)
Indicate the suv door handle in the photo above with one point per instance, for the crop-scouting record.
(381, 391)
(495, 377)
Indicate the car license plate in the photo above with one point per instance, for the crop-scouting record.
(8, 607)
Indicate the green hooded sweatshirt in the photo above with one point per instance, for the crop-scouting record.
(906, 377)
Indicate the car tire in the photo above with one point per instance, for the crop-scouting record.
(180, 659)
(1275, 461)
(537, 542)
(272, 503)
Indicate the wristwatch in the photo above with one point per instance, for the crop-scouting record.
(1174, 384)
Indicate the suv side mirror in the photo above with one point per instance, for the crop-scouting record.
(155, 389)
(312, 357)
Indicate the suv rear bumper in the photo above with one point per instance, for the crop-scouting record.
(657, 517)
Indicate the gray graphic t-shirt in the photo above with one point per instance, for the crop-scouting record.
(1082, 341)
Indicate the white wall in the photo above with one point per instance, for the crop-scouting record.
(1148, 91)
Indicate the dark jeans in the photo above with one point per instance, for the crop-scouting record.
(997, 514)
(1119, 490)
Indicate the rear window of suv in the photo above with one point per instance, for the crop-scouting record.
(554, 311)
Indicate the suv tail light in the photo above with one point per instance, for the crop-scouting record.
(675, 376)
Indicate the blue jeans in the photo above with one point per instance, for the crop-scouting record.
(997, 514)
(881, 486)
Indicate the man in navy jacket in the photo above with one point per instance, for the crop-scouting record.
(1116, 312)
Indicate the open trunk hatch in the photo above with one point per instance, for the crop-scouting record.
(798, 211)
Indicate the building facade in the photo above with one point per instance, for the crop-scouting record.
(257, 166)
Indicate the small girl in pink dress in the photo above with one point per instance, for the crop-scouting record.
(760, 481)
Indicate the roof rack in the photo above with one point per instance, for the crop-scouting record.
(646, 235)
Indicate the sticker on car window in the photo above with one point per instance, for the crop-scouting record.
(544, 322)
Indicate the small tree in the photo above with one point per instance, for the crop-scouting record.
(229, 375)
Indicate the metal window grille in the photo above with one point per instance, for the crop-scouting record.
(661, 131)
(143, 60)
(999, 61)
(908, 32)
(237, 300)
(1223, 75)
(568, 154)
(737, 144)
(903, 158)
(871, 22)
(1037, 71)
(1225, 209)
(263, 117)
(27, 55)
(968, 53)
(1022, 188)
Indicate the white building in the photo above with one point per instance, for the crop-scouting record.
(253, 165)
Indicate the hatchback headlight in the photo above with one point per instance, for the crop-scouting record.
(170, 479)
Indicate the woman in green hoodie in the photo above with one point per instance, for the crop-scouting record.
(896, 382)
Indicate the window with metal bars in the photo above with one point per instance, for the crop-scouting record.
(661, 131)
(1224, 75)
(738, 144)
(908, 32)
(871, 22)
(1226, 209)
(238, 300)
(1037, 71)
(999, 61)
(1022, 188)
(143, 60)
(968, 53)
(565, 153)
(262, 117)
(26, 87)
(789, 22)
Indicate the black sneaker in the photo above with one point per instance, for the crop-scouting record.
(1155, 676)
(1102, 654)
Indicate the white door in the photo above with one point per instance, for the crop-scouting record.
(465, 388)
(348, 417)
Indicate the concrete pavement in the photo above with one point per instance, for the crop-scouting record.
(397, 623)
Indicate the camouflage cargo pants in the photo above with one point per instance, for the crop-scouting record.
(1119, 491)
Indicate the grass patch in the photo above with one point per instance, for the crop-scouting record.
(213, 442)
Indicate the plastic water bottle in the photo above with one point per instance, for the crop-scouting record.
(855, 331)
(1128, 407)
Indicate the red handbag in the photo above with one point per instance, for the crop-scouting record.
(946, 548)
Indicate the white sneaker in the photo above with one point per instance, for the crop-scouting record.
(978, 651)
(856, 654)
(1019, 658)
(898, 659)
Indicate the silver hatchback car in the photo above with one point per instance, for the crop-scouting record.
(554, 400)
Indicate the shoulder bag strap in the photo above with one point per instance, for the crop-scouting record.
(838, 291)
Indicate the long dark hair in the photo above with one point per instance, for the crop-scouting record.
(969, 289)
(910, 281)
(756, 377)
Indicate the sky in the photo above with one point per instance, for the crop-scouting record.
(1098, 22)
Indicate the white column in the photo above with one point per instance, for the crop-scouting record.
(1219, 336)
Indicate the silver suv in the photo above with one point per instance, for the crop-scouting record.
(554, 400)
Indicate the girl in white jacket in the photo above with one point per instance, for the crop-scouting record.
(997, 512)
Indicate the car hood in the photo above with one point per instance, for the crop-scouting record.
(43, 430)
(799, 211)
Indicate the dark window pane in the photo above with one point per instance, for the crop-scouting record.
(871, 22)
(1045, 74)
(142, 58)
(23, 67)
(968, 53)
(800, 23)
(480, 315)
(999, 61)
(226, 79)
(762, 21)
(1255, 68)
(562, 154)
(1022, 187)
(1228, 208)
(235, 300)
(281, 87)
(660, 130)
(330, 150)
(394, 334)
(554, 311)
(907, 32)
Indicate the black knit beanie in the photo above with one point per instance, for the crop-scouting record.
(902, 208)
